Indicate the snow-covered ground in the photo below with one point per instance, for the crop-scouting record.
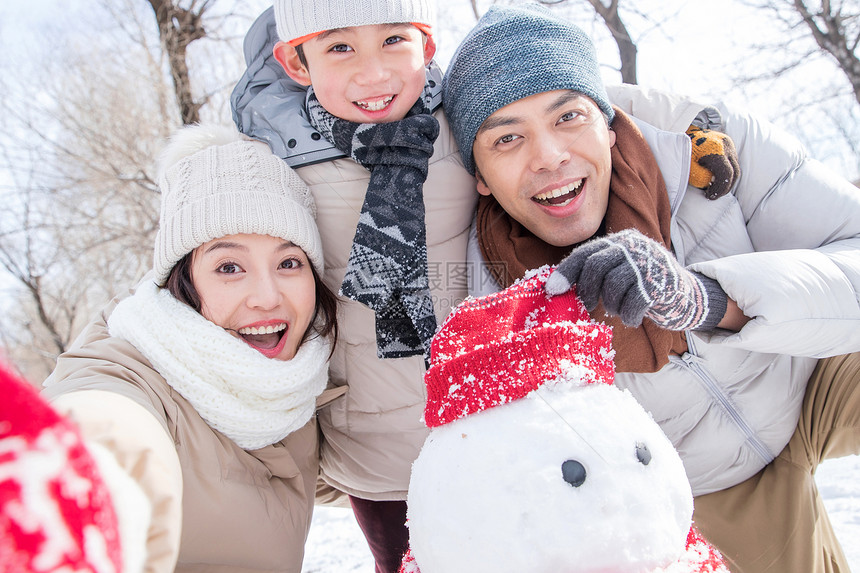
(839, 483)
(336, 545)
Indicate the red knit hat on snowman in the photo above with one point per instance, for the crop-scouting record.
(55, 511)
(498, 348)
(509, 343)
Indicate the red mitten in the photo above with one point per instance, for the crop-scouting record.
(55, 511)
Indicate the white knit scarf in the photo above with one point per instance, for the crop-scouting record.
(253, 400)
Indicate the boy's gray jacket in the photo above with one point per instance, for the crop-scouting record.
(374, 433)
(784, 244)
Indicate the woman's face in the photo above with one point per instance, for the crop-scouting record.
(259, 288)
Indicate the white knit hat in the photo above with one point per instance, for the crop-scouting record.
(216, 182)
(300, 18)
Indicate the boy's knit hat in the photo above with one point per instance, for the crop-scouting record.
(496, 349)
(215, 182)
(514, 52)
(300, 20)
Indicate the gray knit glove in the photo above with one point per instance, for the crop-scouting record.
(637, 277)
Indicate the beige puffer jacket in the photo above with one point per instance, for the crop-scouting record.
(374, 432)
(215, 506)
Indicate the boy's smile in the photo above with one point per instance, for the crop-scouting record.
(375, 105)
(376, 110)
(363, 74)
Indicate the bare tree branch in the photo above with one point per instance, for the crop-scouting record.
(827, 27)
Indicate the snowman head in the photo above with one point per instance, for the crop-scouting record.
(536, 462)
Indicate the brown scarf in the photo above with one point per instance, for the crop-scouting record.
(637, 199)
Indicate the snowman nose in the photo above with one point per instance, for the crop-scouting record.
(643, 454)
(573, 472)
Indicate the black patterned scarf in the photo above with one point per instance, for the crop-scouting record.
(387, 268)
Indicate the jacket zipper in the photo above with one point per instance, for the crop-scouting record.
(691, 360)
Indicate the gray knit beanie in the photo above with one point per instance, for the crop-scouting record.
(216, 182)
(514, 52)
(300, 18)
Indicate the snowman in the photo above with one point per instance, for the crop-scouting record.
(535, 462)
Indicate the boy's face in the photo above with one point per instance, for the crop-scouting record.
(546, 159)
(364, 74)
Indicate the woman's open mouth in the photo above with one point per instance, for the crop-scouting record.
(268, 339)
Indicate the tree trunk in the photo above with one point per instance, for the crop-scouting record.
(177, 28)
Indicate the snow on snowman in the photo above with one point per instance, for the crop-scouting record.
(535, 462)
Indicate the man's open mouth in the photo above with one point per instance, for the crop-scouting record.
(560, 196)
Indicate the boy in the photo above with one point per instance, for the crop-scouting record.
(359, 119)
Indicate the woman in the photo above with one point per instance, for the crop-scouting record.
(204, 383)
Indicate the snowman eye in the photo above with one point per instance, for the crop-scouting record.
(573, 472)
(643, 454)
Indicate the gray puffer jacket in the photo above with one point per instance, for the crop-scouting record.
(784, 244)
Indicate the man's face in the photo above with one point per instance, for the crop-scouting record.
(546, 160)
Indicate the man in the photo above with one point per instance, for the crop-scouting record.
(736, 318)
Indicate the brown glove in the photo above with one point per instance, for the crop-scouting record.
(715, 167)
